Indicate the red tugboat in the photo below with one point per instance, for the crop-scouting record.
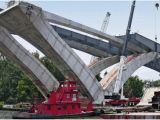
(62, 103)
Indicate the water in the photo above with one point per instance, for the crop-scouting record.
(7, 114)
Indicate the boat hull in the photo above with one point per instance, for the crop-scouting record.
(49, 116)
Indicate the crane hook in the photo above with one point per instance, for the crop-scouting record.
(156, 38)
(157, 5)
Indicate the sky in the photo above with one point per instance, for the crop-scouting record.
(92, 13)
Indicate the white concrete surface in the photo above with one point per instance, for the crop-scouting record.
(103, 64)
(27, 63)
(147, 96)
(113, 73)
(37, 30)
(131, 67)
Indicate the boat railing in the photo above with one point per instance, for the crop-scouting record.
(61, 94)
(37, 100)
(40, 111)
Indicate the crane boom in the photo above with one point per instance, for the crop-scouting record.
(105, 22)
(123, 55)
(103, 29)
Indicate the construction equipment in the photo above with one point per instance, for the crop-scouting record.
(105, 22)
(123, 56)
(131, 102)
(10, 3)
(103, 29)
(157, 5)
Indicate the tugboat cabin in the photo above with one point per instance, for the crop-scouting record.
(64, 100)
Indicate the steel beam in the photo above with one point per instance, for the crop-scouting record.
(109, 48)
(71, 24)
(147, 44)
(1, 9)
(155, 65)
(152, 45)
(132, 39)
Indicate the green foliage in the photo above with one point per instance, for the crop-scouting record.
(10, 100)
(9, 77)
(149, 83)
(105, 73)
(14, 107)
(156, 83)
(16, 87)
(1, 103)
(133, 87)
(51, 67)
(14, 84)
(98, 77)
(36, 54)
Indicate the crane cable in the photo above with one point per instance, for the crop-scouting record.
(156, 5)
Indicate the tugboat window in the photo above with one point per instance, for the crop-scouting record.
(74, 97)
(42, 110)
(62, 85)
(64, 107)
(59, 107)
(73, 107)
(74, 85)
(70, 85)
(78, 107)
(49, 107)
(68, 95)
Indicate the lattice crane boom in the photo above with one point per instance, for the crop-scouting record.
(105, 22)
(123, 54)
(103, 29)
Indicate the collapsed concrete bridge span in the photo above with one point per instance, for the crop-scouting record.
(108, 82)
(99, 65)
(39, 75)
(36, 29)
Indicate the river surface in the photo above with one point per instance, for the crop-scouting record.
(7, 114)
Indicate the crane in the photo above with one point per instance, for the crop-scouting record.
(105, 22)
(123, 56)
(156, 5)
(103, 29)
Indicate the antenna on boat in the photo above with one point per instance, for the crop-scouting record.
(65, 76)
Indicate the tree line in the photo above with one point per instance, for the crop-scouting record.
(15, 86)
